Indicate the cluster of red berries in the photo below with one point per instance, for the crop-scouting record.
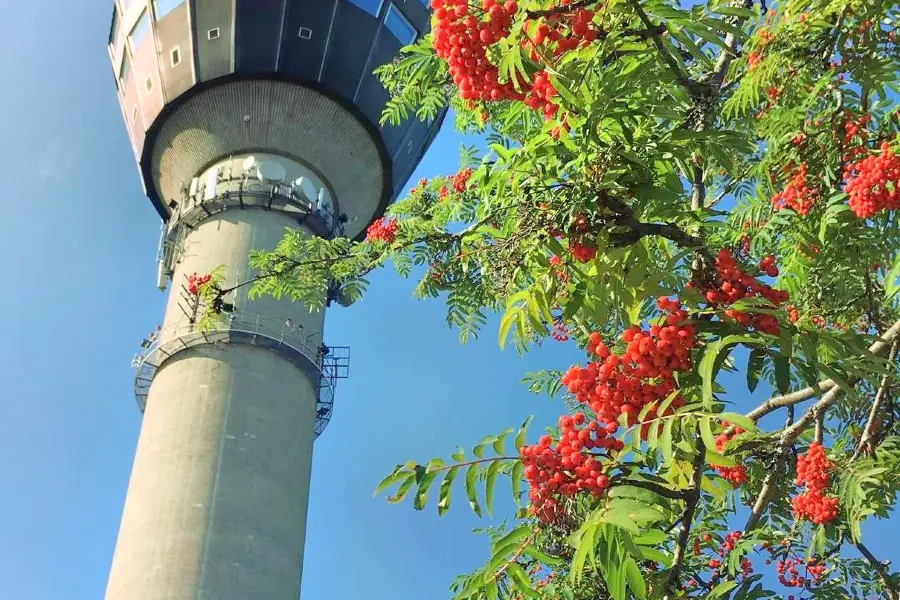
(567, 467)
(581, 252)
(540, 97)
(797, 195)
(728, 545)
(561, 275)
(461, 180)
(788, 575)
(873, 183)
(734, 284)
(560, 332)
(461, 37)
(812, 503)
(195, 282)
(737, 475)
(623, 384)
(443, 193)
(383, 229)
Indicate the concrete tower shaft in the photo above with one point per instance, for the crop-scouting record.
(246, 117)
(216, 505)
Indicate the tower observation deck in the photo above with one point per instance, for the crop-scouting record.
(246, 117)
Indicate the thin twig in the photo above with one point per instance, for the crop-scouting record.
(682, 79)
(876, 407)
(687, 518)
(776, 402)
(766, 492)
(890, 589)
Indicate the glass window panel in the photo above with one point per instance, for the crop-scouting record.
(125, 67)
(114, 27)
(399, 26)
(370, 6)
(163, 7)
(140, 30)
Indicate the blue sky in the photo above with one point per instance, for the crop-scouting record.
(79, 274)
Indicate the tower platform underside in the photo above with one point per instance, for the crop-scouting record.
(216, 504)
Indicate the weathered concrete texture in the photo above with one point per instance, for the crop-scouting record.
(282, 118)
(216, 505)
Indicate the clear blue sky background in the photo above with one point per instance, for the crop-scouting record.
(78, 270)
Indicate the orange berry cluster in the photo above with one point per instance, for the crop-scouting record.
(873, 183)
(734, 284)
(812, 503)
(195, 282)
(383, 229)
(797, 195)
(567, 467)
(461, 36)
(461, 180)
(736, 475)
(560, 332)
(623, 384)
(581, 252)
(788, 575)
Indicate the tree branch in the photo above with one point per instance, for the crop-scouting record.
(765, 493)
(876, 406)
(687, 518)
(890, 589)
(653, 30)
(826, 385)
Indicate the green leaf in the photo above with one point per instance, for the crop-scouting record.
(498, 445)
(721, 589)
(489, 483)
(401, 492)
(421, 496)
(718, 460)
(665, 442)
(516, 477)
(635, 579)
(709, 439)
(395, 476)
(520, 436)
(460, 455)
(715, 354)
(471, 492)
(478, 450)
(521, 580)
(742, 421)
(754, 367)
(446, 488)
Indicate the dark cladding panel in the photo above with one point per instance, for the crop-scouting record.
(406, 156)
(351, 40)
(214, 36)
(176, 52)
(417, 13)
(257, 34)
(306, 37)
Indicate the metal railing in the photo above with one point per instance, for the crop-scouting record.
(322, 363)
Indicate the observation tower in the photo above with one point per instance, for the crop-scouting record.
(246, 117)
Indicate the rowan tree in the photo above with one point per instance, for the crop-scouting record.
(682, 192)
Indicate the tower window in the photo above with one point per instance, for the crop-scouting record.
(305, 33)
(114, 26)
(398, 25)
(125, 67)
(163, 7)
(212, 34)
(175, 56)
(134, 115)
(148, 83)
(373, 7)
(140, 31)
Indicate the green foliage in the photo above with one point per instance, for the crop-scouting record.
(676, 133)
